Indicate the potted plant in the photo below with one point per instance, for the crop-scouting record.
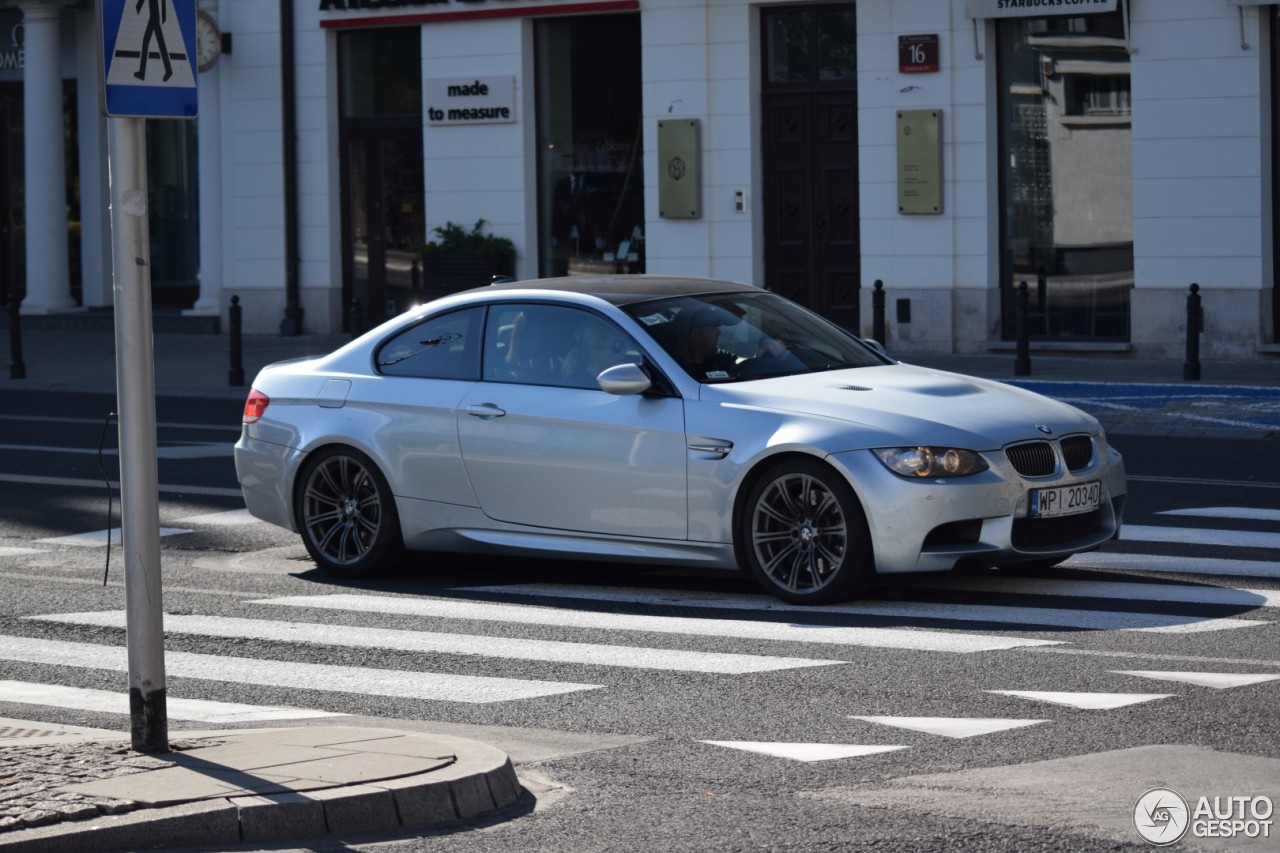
(459, 259)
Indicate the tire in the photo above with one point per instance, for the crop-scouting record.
(346, 514)
(804, 536)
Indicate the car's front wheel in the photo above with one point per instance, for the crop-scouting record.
(346, 514)
(804, 535)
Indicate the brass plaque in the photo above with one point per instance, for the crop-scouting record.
(919, 161)
(679, 193)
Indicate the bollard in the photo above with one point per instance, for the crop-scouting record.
(1195, 325)
(1022, 361)
(353, 317)
(877, 313)
(235, 376)
(17, 370)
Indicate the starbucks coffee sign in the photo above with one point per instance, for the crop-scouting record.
(1035, 8)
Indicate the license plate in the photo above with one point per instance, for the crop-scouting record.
(1066, 500)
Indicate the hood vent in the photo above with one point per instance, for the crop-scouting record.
(851, 388)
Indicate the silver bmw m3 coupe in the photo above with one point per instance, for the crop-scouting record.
(665, 420)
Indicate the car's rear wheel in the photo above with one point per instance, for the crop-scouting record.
(804, 535)
(346, 514)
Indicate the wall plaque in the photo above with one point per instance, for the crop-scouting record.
(919, 161)
(679, 194)
(918, 54)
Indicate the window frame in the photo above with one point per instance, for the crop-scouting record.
(521, 305)
(472, 350)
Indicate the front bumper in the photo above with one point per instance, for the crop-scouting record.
(935, 524)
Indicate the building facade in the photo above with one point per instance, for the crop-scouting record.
(1109, 153)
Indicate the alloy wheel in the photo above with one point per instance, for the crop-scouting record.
(799, 533)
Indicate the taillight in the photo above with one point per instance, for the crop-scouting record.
(255, 406)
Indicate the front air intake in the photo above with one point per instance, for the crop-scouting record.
(1033, 459)
(1077, 452)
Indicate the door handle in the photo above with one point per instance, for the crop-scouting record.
(485, 411)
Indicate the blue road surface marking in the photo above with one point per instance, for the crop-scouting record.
(1229, 406)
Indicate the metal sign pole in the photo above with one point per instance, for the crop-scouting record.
(136, 402)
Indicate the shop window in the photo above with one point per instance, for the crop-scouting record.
(1066, 175)
(814, 43)
(590, 182)
(381, 72)
(1098, 95)
(383, 197)
(173, 212)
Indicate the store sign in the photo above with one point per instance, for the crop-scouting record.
(1035, 8)
(471, 100)
(918, 54)
(423, 11)
(12, 56)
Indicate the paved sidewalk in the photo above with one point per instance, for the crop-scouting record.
(232, 787)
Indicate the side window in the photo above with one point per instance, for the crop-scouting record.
(534, 344)
(444, 347)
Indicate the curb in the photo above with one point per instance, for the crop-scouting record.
(482, 780)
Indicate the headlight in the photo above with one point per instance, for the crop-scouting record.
(931, 461)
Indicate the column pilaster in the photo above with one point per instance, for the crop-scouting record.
(209, 164)
(45, 172)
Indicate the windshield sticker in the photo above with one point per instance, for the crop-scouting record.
(717, 374)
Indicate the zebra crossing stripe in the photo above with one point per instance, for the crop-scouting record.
(1246, 513)
(804, 751)
(100, 538)
(432, 686)
(1086, 701)
(1176, 565)
(1216, 680)
(117, 702)
(1094, 620)
(458, 644)
(952, 727)
(889, 638)
(229, 518)
(163, 488)
(1116, 590)
(1199, 536)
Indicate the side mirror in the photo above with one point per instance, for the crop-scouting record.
(877, 346)
(624, 380)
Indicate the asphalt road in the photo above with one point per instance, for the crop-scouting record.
(646, 710)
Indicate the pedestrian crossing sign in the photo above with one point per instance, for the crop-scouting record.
(148, 54)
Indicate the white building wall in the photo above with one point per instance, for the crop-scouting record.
(1198, 156)
(924, 258)
(482, 171)
(675, 61)
(253, 170)
(319, 194)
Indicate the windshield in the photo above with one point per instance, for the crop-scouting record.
(732, 337)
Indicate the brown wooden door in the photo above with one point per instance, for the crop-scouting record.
(812, 249)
